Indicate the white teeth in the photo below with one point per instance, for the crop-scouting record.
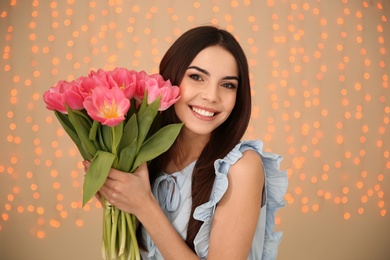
(202, 112)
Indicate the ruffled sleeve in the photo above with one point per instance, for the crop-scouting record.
(275, 189)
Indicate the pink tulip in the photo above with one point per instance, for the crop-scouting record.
(126, 80)
(142, 83)
(97, 73)
(156, 86)
(64, 93)
(160, 80)
(87, 84)
(73, 97)
(95, 79)
(107, 105)
(169, 94)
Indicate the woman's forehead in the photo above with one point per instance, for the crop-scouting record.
(216, 60)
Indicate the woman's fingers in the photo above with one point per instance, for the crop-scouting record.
(98, 196)
(142, 169)
(86, 165)
(143, 172)
(127, 191)
(116, 174)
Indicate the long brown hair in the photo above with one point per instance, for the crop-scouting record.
(223, 139)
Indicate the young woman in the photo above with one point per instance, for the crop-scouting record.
(211, 195)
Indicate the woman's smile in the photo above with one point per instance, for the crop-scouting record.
(203, 113)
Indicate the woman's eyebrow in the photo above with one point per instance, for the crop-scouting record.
(231, 78)
(200, 69)
(208, 74)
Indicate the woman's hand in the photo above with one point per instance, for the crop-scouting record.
(126, 191)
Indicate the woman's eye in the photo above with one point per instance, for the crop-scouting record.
(229, 85)
(195, 77)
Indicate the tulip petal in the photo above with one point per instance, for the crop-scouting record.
(108, 106)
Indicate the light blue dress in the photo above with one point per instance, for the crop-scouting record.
(173, 193)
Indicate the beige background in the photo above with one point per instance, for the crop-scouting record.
(320, 77)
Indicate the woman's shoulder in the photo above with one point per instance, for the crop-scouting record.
(249, 156)
(246, 151)
(246, 154)
(249, 166)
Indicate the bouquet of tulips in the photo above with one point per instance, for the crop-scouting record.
(113, 118)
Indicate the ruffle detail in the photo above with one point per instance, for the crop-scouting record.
(275, 185)
(205, 212)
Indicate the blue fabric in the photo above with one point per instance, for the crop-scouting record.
(176, 205)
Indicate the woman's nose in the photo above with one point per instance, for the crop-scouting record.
(210, 93)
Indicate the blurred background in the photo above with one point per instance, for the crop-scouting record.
(321, 98)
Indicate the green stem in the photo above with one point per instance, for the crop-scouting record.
(104, 251)
(113, 135)
(116, 134)
(133, 237)
(131, 252)
(114, 214)
(106, 229)
(122, 234)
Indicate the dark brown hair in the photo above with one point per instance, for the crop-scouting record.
(223, 139)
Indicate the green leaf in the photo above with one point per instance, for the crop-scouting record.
(69, 129)
(83, 114)
(106, 134)
(157, 144)
(92, 134)
(101, 140)
(127, 156)
(130, 132)
(94, 129)
(117, 132)
(144, 103)
(96, 144)
(83, 118)
(132, 110)
(82, 127)
(97, 174)
(156, 125)
(145, 119)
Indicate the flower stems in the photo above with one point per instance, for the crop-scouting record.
(122, 234)
(131, 228)
(119, 238)
(114, 220)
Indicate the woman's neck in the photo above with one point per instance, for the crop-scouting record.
(188, 148)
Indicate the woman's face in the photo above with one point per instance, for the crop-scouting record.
(208, 91)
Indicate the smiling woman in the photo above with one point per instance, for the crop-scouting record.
(320, 97)
(209, 184)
